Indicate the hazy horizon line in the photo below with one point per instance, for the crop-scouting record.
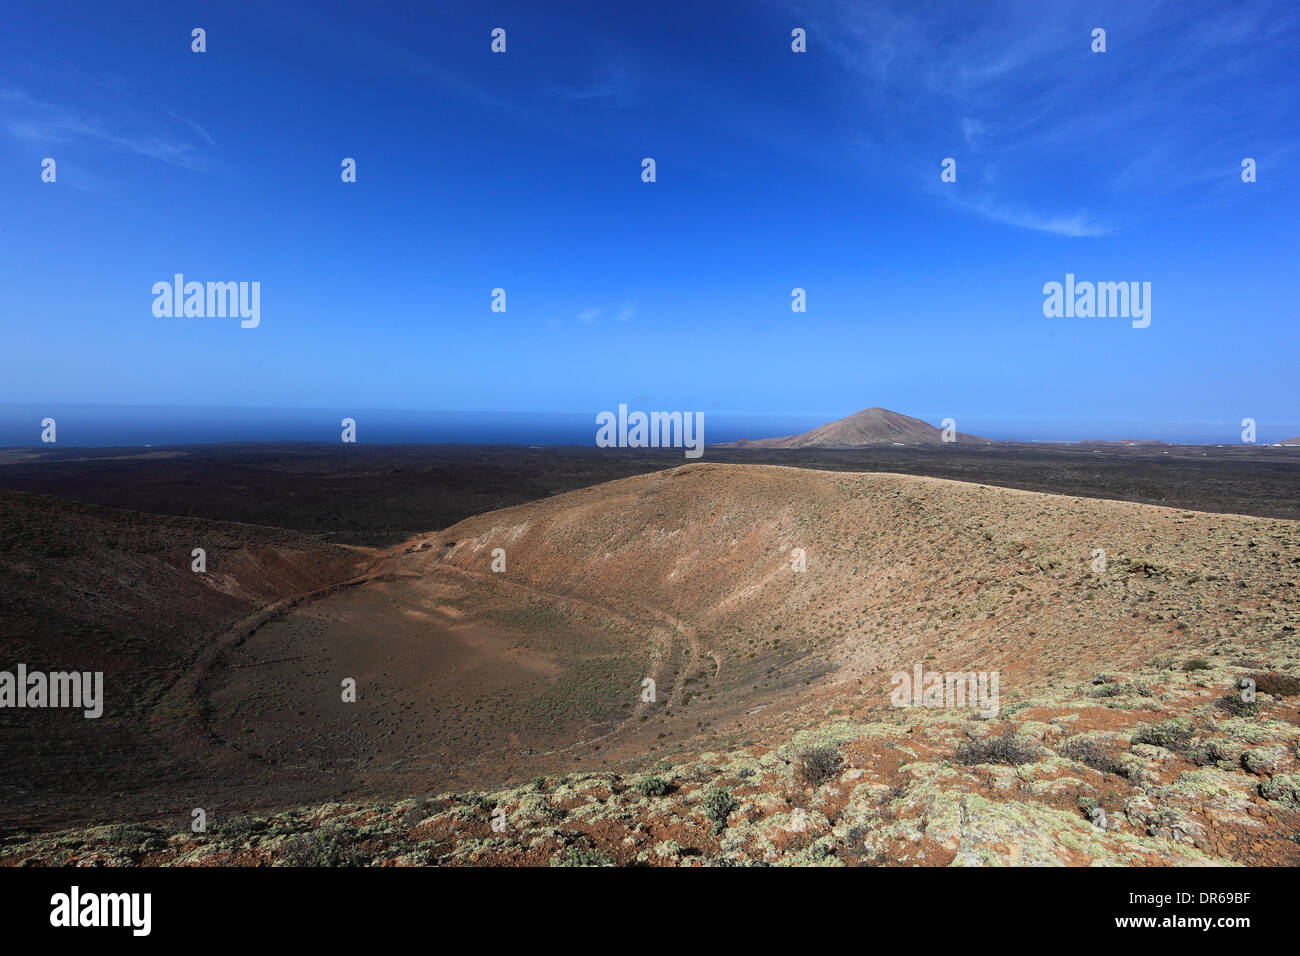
(100, 425)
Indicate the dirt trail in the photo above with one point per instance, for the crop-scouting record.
(667, 633)
(659, 666)
(191, 685)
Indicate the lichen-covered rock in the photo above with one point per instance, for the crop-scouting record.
(1264, 761)
(1283, 788)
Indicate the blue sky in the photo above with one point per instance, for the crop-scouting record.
(774, 170)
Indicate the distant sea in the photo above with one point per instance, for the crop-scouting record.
(98, 426)
(101, 426)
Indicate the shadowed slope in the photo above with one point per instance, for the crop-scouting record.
(85, 588)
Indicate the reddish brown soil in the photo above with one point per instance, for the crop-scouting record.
(468, 677)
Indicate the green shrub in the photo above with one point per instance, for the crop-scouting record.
(1234, 705)
(816, 765)
(1007, 749)
(235, 829)
(1094, 754)
(418, 811)
(1276, 683)
(1196, 664)
(1122, 690)
(1172, 735)
(581, 856)
(652, 786)
(1207, 754)
(325, 847)
(718, 805)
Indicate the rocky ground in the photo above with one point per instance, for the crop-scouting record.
(1162, 767)
(501, 720)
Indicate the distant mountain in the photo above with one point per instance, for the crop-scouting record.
(1291, 441)
(872, 426)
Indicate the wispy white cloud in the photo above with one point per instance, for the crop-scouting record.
(974, 132)
(616, 81)
(591, 315)
(1076, 225)
(1058, 139)
(194, 126)
(42, 124)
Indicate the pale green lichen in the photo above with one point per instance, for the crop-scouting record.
(1283, 788)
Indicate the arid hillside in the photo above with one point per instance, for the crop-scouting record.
(896, 569)
(88, 588)
(770, 606)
